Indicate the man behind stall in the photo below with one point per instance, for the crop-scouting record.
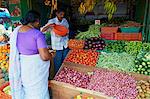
(59, 43)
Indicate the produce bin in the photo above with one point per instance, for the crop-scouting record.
(61, 90)
(109, 29)
(128, 36)
(130, 29)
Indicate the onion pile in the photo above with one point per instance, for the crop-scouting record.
(73, 77)
(115, 84)
(85, 57)
(94, 43)
(143, 89)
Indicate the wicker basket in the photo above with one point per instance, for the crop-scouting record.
(76, 44)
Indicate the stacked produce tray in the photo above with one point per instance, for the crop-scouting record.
(4, 64)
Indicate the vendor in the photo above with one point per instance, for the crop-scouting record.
(59, 43)
(29, 60)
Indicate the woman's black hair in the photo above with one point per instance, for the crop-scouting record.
(31, 17)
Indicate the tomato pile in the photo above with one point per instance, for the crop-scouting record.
(115, 84)
(85, 57)
(76, 44)
(73, 77)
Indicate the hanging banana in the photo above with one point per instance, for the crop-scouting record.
(87, 6)
(110, 8)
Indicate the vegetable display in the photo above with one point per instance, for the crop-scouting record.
(115, 46)
(4, 57)
(115, 84)
(93, 31)
(85, 57)
(76, 44)
(4, 63)
(143, 89)
(133, 47)
(117, 61)
(143, 63)
(94, 43)
(73, 77)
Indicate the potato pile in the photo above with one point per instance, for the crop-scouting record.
(143, 90)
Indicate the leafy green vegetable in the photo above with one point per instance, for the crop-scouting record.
(115, 46)
(133, 47)
(93, 31)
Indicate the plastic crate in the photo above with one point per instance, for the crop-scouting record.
(130, 29)
(108, 36)
(2, 94)
(128, 36)
(109, 29)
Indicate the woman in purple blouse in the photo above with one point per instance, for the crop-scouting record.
(29, 60)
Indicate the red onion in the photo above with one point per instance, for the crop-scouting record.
(73, 77)
(116, 84)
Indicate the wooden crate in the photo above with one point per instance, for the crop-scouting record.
(62, 90)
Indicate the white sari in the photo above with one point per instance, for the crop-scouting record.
(28, 74)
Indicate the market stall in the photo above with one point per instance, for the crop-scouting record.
(102, 66)
(108, 60)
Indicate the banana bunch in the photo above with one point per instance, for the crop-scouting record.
(87, 6)
(82, 8)
(110, 8)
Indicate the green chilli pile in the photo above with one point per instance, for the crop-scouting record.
(117, 61)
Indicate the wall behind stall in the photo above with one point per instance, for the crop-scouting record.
(25, 6)
(140, 10)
